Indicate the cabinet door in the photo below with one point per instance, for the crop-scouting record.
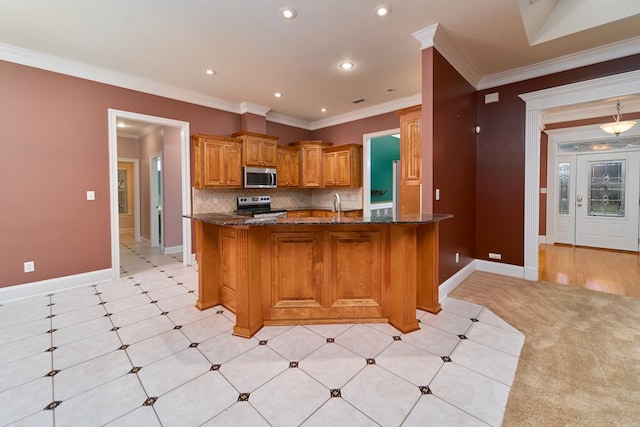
(233, 165)
(213, 163)
(329, 169)
(311, 165)
(342, 172)
(252, 156)
(410, 148)
(268, 153)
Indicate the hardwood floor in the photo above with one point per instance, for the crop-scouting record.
(597, 269)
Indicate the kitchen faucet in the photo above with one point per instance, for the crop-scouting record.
(337, 205)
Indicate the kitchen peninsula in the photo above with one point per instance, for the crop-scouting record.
(312, 270)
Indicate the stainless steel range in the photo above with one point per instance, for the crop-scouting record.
(258, 207)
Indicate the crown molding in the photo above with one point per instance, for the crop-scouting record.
(587, 57)
(288, 121)
(77, 69)
(436, 36)
(248, 107)
(364, 113)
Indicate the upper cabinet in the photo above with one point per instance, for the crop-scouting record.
(257, 149)
(410, 145)
(410, 159)
(217, 161)
(342, 166)
(288, 166)
(311, 162)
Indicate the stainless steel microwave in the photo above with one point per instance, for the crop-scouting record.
(259, 177)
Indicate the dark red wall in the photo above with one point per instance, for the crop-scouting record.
(500, 158)
(454, 163)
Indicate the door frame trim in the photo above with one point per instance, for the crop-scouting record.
(604, 88)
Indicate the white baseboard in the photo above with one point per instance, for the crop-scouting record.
(500, 268)
(192, 259)
(542, 240)
(454, 281)
(172, 250)
(10, 293)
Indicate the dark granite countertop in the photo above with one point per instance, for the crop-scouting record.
(231, 219)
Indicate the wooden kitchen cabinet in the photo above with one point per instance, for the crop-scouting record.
(257, 149)
(410, 159)
(311, 162)
(342, 166)
(217, 161)
(288, 166)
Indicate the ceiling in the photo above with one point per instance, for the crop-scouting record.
(165, 46)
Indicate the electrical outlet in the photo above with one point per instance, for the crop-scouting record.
(457, 257)
(215, 199)
(29, 266)
(198, 200)
(437, 194)
(493, 255)
(91, 195)
(353, 198)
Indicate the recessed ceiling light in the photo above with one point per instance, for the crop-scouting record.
(210, 72)
(347, 65)
(324, 110)
(382, 10)
(288, 13)
(277, 95)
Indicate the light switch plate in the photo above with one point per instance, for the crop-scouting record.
(91, 195)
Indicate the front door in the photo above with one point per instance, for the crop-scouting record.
(606, 200)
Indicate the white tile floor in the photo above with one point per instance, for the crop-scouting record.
(136, 352)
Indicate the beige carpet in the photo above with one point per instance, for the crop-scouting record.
(580, 364)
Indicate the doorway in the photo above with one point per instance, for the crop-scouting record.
(185, 182)
(129, 196)
(155, 200)
(380, 150)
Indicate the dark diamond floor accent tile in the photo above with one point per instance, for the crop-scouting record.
(153, 302)
(144, 292)
(115, 328)
(335, 392)
(164, 313)
(50, 331)
(50, 295)
(135, 370)
(191, 292)
(462, 337)
(371, 361)
(330, 340)
(445, 358)
(52, 373)
(220, 312)
(53, 405)
(215, 367)
(425, 390)
(397, 338)
(418, 320)
(473, 319)
(170, 277)
(244, 397)
(108, 315)
(177, 327)
(48, 305)
(51, 316)
(263, 342)
(102, 303)
(136, 284)
(123, 347)
(193, 344)
(293, 364)
(179, 283)
(50, 349)
(98, 293)
(150, 401)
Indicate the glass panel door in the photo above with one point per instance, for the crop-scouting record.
(607, 189)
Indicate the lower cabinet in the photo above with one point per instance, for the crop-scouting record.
(326, 275)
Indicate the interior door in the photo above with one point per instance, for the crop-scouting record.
(606, 200)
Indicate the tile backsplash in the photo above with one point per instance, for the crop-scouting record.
(206, 200)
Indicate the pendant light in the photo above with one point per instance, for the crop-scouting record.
(617, 127)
